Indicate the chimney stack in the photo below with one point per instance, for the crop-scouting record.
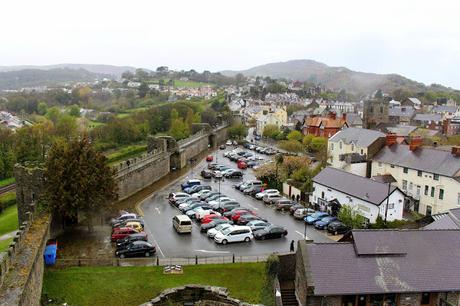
(415, 143)
(332, 115)
(391, 139)
(344, 116)
(456, 151)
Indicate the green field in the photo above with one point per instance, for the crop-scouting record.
(126, 153)
(8, 220)
(6, 182)
(4, 244)
(136, 285)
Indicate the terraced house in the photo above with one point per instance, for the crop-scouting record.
(430, 177)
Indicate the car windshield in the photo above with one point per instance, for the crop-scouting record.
(317, 214)
(226, 231)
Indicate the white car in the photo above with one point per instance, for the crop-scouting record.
(260, 195)
(234, 234)
(271, 198)
(215, 204)
(217, 174)
(174, 197)
(213, 231)
(200, 214)
(229, 143)
(227, 171)
(198, 194)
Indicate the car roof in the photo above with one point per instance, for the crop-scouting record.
(182, 218)
(142, 242)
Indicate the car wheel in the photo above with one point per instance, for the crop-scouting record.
(262, 238)
(335, 233)
(224, 241)
(147, 254)
(247, 239)
(122, 256)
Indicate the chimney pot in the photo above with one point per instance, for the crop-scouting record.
(415, 143)
(456, 151)
(391, 139)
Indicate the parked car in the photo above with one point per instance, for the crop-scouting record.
(284, 204)
(209, 194)
(213, 231)
(261, 194)
(301, 213)
(186, 205)
(209, 158)
(229, 142)
(132, 224)
(253, 190)
(123, 223)
(231, 213)
(257, 224)
(227, 206)
(324, 222)
(271, 198)
(123, 217)
(234, 174)
(197, 188)
(212, 166)
(122, 232)
(215, 222)
(238, 215)
(295, 207)
(337, 227)
(206, 173)
(242, 165)
(123, 243)
(192, 212)
(198, 194)
(200, 214)
(251, 164)
(270, 232)
(190, 183)
(234, 234)
(137, 249)
(182, 224)
(311, 219)
(222, 147)
(212, 217)
(244, 219)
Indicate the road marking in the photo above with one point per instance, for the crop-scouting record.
(158, 210)
(218, 252)
(252, 207)
(301, 234)
(157, 245)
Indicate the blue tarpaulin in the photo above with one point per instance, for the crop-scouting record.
(50, 254)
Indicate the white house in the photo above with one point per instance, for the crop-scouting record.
(333, 188)
(431, 177)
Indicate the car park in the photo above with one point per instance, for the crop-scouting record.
(190, 183)
(137, 249)
(234, 234)
(261, 194)
(271, 198)
(337, 227)
(284, 204)
(301, 213)
(324, 222)
(295, 207)
(311, 219)
(213, 231)
(244, 219)
(257, 224)
(122, 232)
(204, 227)
(123, 243)
(270, 232)
(234, 174)
(182, 224)
(206, 173)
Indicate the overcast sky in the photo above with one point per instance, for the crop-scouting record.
(416, 38)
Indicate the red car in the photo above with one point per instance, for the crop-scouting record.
(209, 158)
(212, 217)
(237, 215)
(122, 232)
(242, 165)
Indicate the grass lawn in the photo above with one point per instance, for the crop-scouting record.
(8, 220)
(4, 244)
(126, 153)
(6, 182)
(136, 285)
(189, 84)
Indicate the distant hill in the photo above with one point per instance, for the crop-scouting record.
(114, 71)
(335, 77)
(36, 77)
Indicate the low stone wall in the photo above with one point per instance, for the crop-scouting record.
(196, 294)
(287, 267)
(21, 268)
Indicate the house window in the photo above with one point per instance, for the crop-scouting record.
(405, 170)
(428, 210)
(426, 298)
(411, 186)
(419, 173)
(380, 164)
(441, 194)
(436, 177)
(426, 189)
(404, 185)
(432, 192)
(381, 109)
(362, 151)
(340, 145)
(391, 205)
(352, 147)
(332, 147)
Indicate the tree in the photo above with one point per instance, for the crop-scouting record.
(350, 217)
(179, 128)
(291, 145)
(77, 179)
(306, 141)
(271, 131)
(53, 114)
(143, 90)
(74, 111)
(237, 131)
(295, 135)
(42, 108)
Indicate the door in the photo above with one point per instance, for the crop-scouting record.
(426, 299)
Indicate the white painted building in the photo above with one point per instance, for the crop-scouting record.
(332, 187)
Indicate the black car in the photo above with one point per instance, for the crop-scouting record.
(123, 243)
(137, 249)
(270, 232)
(234, 174)
(206, 174)
(251, 164)
(205, 227)
(337, 227)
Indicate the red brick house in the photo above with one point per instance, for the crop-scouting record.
(324, 126)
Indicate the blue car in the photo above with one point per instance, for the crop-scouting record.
(190, 183)
(315, 217)
(324, 222)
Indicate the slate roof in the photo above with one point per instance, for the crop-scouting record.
(401, 130)
(425, 261)
(361, 137)
(425, 159)
(444, 109)
(401, 111)
(415, 101)
(447, 220)
(354, 185)
(354, 119)
(428, 117)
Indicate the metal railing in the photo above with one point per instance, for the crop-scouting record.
(157, 261)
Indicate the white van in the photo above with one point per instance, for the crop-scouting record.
(234, 234)
(182, 224)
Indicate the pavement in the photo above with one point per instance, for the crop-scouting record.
(158, 214)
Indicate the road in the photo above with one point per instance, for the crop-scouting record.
(158, 214)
